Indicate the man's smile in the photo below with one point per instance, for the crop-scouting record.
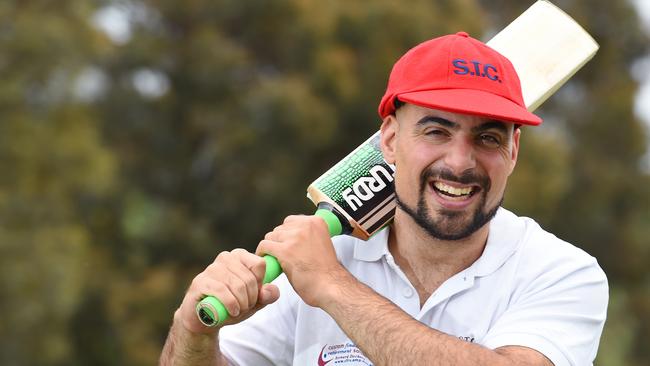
(454, 192)
(450, 193)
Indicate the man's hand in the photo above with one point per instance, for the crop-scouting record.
(304, 249)
(235, 278)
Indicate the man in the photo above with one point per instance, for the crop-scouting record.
(454, 280)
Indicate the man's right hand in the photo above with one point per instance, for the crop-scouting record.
(235, 278)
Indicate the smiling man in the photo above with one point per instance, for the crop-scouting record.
(466, 149)
(454, 280)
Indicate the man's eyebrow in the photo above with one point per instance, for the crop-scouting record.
(437, 120)
(491, 124)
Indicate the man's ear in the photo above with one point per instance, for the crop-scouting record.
(389, 129)
(514, 154)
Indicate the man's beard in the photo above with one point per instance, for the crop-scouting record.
(450, 224)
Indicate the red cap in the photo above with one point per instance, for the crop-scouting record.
(460, 74)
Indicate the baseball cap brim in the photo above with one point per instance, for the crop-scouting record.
(471, 101)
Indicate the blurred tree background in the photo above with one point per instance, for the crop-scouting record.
(139, 138)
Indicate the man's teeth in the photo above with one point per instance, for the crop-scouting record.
(452, 190)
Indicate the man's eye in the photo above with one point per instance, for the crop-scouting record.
(435, 132)
(490, 141)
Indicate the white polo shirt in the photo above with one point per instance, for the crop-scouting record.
(528, 288)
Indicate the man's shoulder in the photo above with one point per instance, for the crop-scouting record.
(541, 251)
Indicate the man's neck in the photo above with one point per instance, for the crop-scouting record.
(427, 261)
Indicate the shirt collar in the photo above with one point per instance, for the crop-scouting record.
(503, 240)
(505, 236)
(373, 249)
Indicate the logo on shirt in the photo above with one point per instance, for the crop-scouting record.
(466, 339)
(342, 354)
(321, 357)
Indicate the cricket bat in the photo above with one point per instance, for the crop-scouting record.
(357, 195)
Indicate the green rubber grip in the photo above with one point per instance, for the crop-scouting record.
(273, 269)
(333, 222)
(212, 312)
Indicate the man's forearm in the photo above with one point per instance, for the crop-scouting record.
(185, 348)
(389, 336)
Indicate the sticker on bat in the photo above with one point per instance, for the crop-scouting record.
(364, 188)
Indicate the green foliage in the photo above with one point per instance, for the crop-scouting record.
(201, 129)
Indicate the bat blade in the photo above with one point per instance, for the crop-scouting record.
(546, 47)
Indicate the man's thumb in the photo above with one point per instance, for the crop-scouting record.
(269, 293)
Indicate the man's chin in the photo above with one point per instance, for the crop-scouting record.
(444, 214)
(452, 230)
(448, 224)
(458, 225)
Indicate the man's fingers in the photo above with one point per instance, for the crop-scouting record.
(284, 234)
(244, 284)
(253, 263)
(235, 279)
(293, 218)
(228, 297)
(269, 293)
(267, 246)
(244, 276)
(204, 285)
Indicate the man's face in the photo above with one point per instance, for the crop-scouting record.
(451, 169)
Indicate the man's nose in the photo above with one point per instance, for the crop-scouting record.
(460, 156)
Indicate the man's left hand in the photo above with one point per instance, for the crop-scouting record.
(304, 249)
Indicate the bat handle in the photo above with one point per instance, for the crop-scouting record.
(212, 312)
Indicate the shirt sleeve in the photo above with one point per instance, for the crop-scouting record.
(559, 313)
(267, 337)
